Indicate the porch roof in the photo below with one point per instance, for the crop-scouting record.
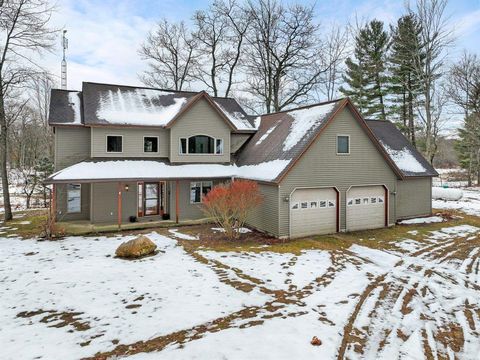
(133, 170)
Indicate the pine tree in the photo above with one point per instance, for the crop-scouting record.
(468, 146)
(366, 73)
(405, 86)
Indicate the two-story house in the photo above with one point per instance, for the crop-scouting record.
(139, 154)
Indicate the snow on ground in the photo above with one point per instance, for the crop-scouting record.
(110, 299)
(182, 236)
(423, 220)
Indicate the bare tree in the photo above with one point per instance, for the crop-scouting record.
(464, 93)
(171, 53)
(335, 52)
(24, 25)
(436, 37)
(284, 60)
(220, 32)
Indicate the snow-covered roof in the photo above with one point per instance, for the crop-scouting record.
(237, 117)
(146, 107)
(119, 105)
(110, 170)
(65, 108)
(402, 153)
(285, 135)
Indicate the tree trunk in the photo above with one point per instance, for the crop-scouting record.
(3, 159)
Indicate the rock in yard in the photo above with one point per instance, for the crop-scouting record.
(316, 341)
(141, 246)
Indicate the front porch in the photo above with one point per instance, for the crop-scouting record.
(98, 206)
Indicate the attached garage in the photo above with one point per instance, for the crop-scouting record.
(366, 207)
(313, 211)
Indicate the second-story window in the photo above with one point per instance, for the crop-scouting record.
(114, 143)
(150, 144)
(201, 144)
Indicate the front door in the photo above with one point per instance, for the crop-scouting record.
(151, 198)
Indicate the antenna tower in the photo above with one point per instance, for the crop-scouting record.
(64, 61)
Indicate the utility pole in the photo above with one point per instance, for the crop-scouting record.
(64, 61)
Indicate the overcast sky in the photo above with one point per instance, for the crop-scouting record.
(104, 35)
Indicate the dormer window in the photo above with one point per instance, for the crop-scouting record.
(114, 143)
(200, 144)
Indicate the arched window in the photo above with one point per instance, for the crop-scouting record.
(201, 144)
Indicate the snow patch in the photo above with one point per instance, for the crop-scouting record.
(237, 118)
(182, 236)
(75, 105)
(265, 135)
(404, 159)
(424, 220)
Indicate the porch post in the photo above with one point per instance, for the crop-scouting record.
(177, 210)
(53, 205)
(119, 206)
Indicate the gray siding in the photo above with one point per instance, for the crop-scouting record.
(132, 141)
(61, 204)
(105, 202)
(265, 216)
(414, 197)
(201, 119)
(187, 211)
(238, 140)
(72, 145)
(321, 166)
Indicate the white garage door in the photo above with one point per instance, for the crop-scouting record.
(313, 212)
(365, 207)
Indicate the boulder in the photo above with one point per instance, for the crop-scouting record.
(316, 341)
(138, 247)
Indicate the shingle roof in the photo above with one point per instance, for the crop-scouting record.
(65, 108)
(119, 105)
(408, 159)
(285, 135)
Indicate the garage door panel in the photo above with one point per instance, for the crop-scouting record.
(313, 211)
(365, 208)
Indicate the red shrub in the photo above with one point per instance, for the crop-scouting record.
(229, 204)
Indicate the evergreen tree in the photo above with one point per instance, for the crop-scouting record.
(366, 73)
(405, 86)
(468, 146)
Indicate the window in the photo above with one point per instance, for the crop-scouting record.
(150, 144)
(323, 203)
(343, 144)
(313, 204)
(331, 203)
(365, 201)
(373, 200)
(200, 144)
(114, 143)
(358, 201)
(140, 199)
(219, 146)
(380, 199)
(151, 199)
(295, 206)
(74, 198)
(198, 190)
(350, 202)
(304, 205)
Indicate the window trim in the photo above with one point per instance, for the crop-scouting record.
(349, 144)
(201, 190)
(106, 144)
(150, 152)
(206, 154)
(80, 208)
